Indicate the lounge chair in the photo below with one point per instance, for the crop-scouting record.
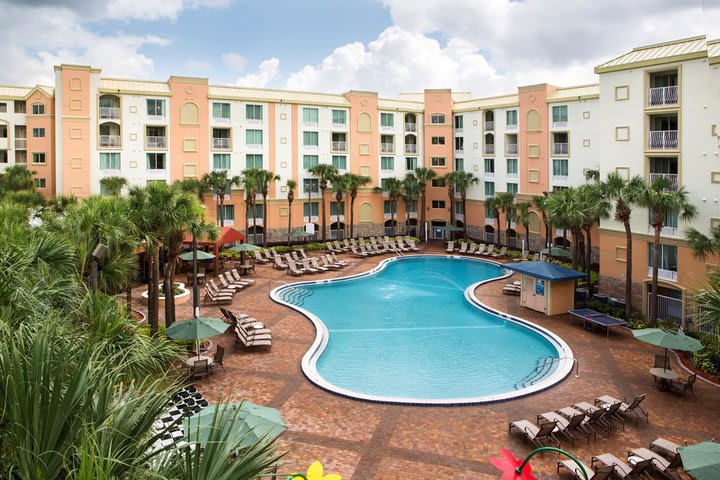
(229, 283)
(510, 289)
(682, 385)
(568, 426)
(623, 470)
(523, 258)
(279, 264)
(536, 257)
(341, 248)
(247, 339)
(303, 254)
(329, 246)
(314, 264)
(601, 472)
(293, 269)
(215, 289)
(387, 239)
(490, 251)
(247, 282)
(215, 298)
(463, 247)
(258, 257)
(610, 411)
(594, 421)
(296, 256)
(268, 255)
(305, 267)
(500, 254)
(412, 245)
(481, 249)
(353, 243)
(471, 250)
(359, 253)
(344, 263)
(328, 264)
(666, 448)
(538, 435)
(274, 252)
(450, 247)
(626, 408)
(659, 463)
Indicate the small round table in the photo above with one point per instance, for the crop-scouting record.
(190, 362)
(666, 376)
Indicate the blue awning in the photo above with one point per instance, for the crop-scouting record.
(545, 270)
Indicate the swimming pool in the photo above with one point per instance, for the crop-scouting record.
(411, 331)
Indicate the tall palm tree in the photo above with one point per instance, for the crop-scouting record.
(704, 245)
(448, 180)
(393, 189)
(250, 181)
(661, 200)
(565, 209)
(423, 176)
(411, 192)
(265, 178)
(340, 186)
(624, 193)
(492, 205)
(113, 185)
(506, 204)
(597, 207)
(325, 172)
(708, 298)
(220, 183)
(463, 181)
(355, 182)
(291, 186)
(522, 216)
(540, 202)
(194, 186)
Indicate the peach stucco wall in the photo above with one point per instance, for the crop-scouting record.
(75, 111)
(44, 145)
(534, 98)
(438, 101)
(192, 90)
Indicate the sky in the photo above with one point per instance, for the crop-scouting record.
(487, 47)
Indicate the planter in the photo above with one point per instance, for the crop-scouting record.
(180, 298)
(138, 316)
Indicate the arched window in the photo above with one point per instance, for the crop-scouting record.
(364, 123)
(190, 114)
(533, 120)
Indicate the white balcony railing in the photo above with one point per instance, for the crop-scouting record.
(458, 130)
(109, 140)
(489, 149)
(512, 175)
(489, 125)
(664, 231)
(21, 143)
(489, 174)
(410, 127)
(671, 177)
(221, 120)
(670, 275)
(560, 124)
(512, 126)
(511, 148)
(459, 151)
(663, 139)
(663, 96)
(155, 142)
(221, 143)
(310, 124)
(387, 148)
(668, 308)
(111, 113)
(560, 178)
(560, 232)
(157, 119)
(410, 148)
(339, 146)
(339, 126)
(560, 148)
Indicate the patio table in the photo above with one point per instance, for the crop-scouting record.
(666, 377)
(190, 362)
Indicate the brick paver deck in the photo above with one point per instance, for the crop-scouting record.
(364, 441)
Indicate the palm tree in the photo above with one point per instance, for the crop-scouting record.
(113, 185)
(15, 179)
(624, 193)
(393, 189)
(506, 204)
(265, 178)
(250, 181)
(340, 186)
(522, 216)
(355, 182)
(704, 245)
(220, 184)
(463, 181)
(193, 186)
(661, 200)
(597, 207)
(708, 298)
(423, 176)
(411, 192)
(493, 205)
(540, 202)
(60, 203)
(565, 209)
(325, 172)
(448, 180)
(291, 186)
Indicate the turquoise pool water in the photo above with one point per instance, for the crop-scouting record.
(408, 333)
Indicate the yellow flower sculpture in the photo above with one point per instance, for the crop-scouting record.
(315, 472)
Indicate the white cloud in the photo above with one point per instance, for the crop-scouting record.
(267, 72)
(233, 60)
(199, 67)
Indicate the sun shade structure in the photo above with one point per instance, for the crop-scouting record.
(701, 460)
(226, 235)
(667, 339)
(195, 329)
(188, 256)
(546, 287)
(545, 271)
(242, 248)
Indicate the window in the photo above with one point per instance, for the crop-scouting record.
(437, 161)
(459, 208)
(412, 206)
(389, 208)
(334, 208)
(310, 116)
(3, 131)
(387, 163)
(221, 110)
(253, 137)
(39, 158)
(38, 109)
(438, 204)
(228, 214)
(221, 161)
(512, 188)
(459, 144)
(489, 214)
(438, 140)
(155, 108)
(253, 161)
(38, 132)
(437, 118)
(511, 118)
(3, 107)
(458, 122)
(156, 161)
(110, 161)
(459, 164)
(668, 257)
(670, 222)
(512, 166)
(560, 115)
(383, 184)
(339, 117)
(387, 120)
(489, 189)
(339, 162)
(437, 183)
(489, 165)
(19, 106)
(311, 185)
(4, 156)
(39, 182)
(310, 161)
(310, 139)
(255, 212)
(253, 112)
(560, 167)
(310, 209)
(411, 163)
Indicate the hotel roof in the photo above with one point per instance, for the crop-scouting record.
(142, 87)
(659, 53)
(713, 48)
(582, 92)
(490, 102)
(21, 93)
(401, 105)
(279, 96)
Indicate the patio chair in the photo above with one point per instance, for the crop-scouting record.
(344, 263)
(329, 246)
(314, 264)
(218, 357)
(248, 340)
(215, 297)
(471, 250)
(307, 268)
(279, 264)
(626, 408)
(386, 238)
(296, 256)
(303, 254)
(351, 243)
(450, 247)
(237, 276)
(666, 448)
(258, 257)
(229, 283)
(328, 264)
(490, 251)
(274, 252)
(359, 253)
(536, 257)
(661, 361)
(594, 421)
(659, 463)
(293, 269)
(610, 411)
(213, 286)
(341, 248)
(523, 258)
(682, 385)
(538, 435)
(602, 472)
(622, 469)
(412, 245)
(500, 254)
(481, 249)
(568, 426)
(463, 247)
(200, 369)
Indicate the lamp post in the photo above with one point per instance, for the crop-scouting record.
(97, 255)
(196, 293)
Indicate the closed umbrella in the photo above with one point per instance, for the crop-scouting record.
(188, 256)
(701, 460)
(668, 340)
(242, 248)
(195, 329)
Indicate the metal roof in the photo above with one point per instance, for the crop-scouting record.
(544, 270)
(15, 92)
(575, 93)
(713, 48)
(121, 85)
(279, 96)
(403, 105)
(491, 102)
(683, 49)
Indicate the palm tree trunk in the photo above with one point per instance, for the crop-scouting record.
(423, 230)
(352, 214)
(497, 231)
(655, 265)
(153, 292)
(265, 221)
(527, 235)
(221, 204)
(463, 198)
(254, 221)
(628, 269)
(289, 221)
(168, 283)
(576, 247)
(392, 215)
(588, 255)
(324, 220)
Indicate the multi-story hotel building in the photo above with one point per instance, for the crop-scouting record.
(653, 112)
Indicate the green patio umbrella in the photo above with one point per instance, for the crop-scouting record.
(701, 460)
(667, 339)
(246, 422)
(195, 329)
(299, 233)
(556, 252)
(188, 256)
(242, 248)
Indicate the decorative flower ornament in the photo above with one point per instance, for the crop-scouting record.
(315, 472)
(508, 464)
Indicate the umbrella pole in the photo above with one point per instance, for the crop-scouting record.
(666, 360)
(197, 347)
(196, 293)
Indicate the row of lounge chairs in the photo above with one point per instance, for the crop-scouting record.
(310, 264)
(374, 244)
(468, 248)
(249, 332)
(231, 281)
(184, 403)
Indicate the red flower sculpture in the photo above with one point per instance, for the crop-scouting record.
(508, 465)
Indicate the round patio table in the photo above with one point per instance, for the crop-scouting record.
(190, 362)
(666, 376)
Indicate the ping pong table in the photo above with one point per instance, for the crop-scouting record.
(592, 319)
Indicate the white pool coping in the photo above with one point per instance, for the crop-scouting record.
(565, 363)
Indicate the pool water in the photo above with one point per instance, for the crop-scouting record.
(408, 333)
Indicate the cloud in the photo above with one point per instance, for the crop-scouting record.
(267, 72)
(234, 61)
(198, 67)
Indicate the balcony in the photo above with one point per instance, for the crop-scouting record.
(409, 148)
(665, 231)
(215, 120)
(663, 96)
(156, 142)
(460, 151)
(512, 176)
(663, 139)
(511, 127)
(221, 143)
(411, 127)
(109, 113)
(671, 177)
(560, 124)
(560, 148)
(339, 126)
(489, 149)
(511, 149)
(110, 141)
(387, 148)
(21, 143)
(339, 146)
(489, 125)
(560, 178)
(489, 174)
(664, 274)
(310, 124)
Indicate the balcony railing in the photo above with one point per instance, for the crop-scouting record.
(668, 308)
(21, 143)
(410, 148)
(664, 274)
(560, 124)
(511, 148)
(387, 148)
(489, 149)
(489, 174)
(560, 149)
(663, 139)
(460, 151)
(489, 125)
(410, 127)
(111, 113)
(665, 231)
(458, 129)
(339, 146)
(221, 120)
(663, 96)
(512, 126)
(310, 124)
(671, 177)
(109, 140)
(155, 142)
(512, 175)
(560, 178)
(339, 126)
(221, 143)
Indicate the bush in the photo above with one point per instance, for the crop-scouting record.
(708, 359)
